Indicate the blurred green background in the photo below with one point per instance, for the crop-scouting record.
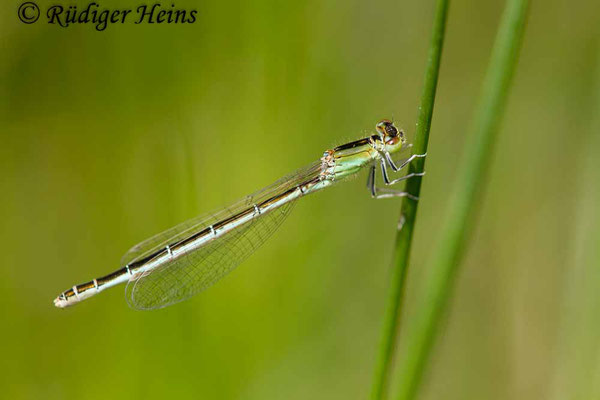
(109, 137)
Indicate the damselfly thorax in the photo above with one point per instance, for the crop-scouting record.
(188, 258)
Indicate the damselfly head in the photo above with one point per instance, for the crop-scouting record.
(389, 134)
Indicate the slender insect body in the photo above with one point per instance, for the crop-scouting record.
(173, 266)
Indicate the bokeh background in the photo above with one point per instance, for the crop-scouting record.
(109, 137)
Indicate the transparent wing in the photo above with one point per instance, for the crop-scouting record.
(191, 273)
(175, 234)
(160, 240)
(187, 228)
(197, 270)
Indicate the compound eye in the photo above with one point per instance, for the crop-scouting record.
(394, 140)
(383, 127)
(391, 130)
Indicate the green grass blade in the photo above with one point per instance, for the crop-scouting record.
(409, 207)
(459, 224)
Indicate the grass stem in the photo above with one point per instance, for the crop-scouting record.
(463, 205)
(409, 207)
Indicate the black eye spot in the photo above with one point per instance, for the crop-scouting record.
(391, 130)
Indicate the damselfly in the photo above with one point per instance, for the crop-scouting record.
(188, 258)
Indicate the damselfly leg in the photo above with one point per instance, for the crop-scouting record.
(387, 180)
(382, 193)
(404, 163)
